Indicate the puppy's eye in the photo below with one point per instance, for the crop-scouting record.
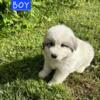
(63, 45)
(50, 44)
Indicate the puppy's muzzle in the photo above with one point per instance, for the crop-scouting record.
(54, 56)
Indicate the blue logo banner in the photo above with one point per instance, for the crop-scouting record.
(21, 5)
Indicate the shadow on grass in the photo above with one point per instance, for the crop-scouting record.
(21, 69)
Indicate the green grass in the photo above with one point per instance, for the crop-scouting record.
(21, 58)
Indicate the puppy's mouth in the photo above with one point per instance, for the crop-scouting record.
(64, 58)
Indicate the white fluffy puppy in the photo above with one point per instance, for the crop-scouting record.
(65, 53)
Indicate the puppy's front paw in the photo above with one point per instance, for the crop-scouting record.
(51, 83)
(54, 82)
(42, 74)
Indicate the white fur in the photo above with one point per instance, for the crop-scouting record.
(66, 61)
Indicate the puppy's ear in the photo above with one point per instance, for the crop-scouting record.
(44, 42)
(74, 44)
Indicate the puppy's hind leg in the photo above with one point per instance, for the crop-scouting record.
(81, 69)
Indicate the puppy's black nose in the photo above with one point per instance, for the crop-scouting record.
(53, 55)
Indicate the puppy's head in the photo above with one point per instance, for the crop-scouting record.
(59, 43)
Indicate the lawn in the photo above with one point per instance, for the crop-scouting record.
(21, 57)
